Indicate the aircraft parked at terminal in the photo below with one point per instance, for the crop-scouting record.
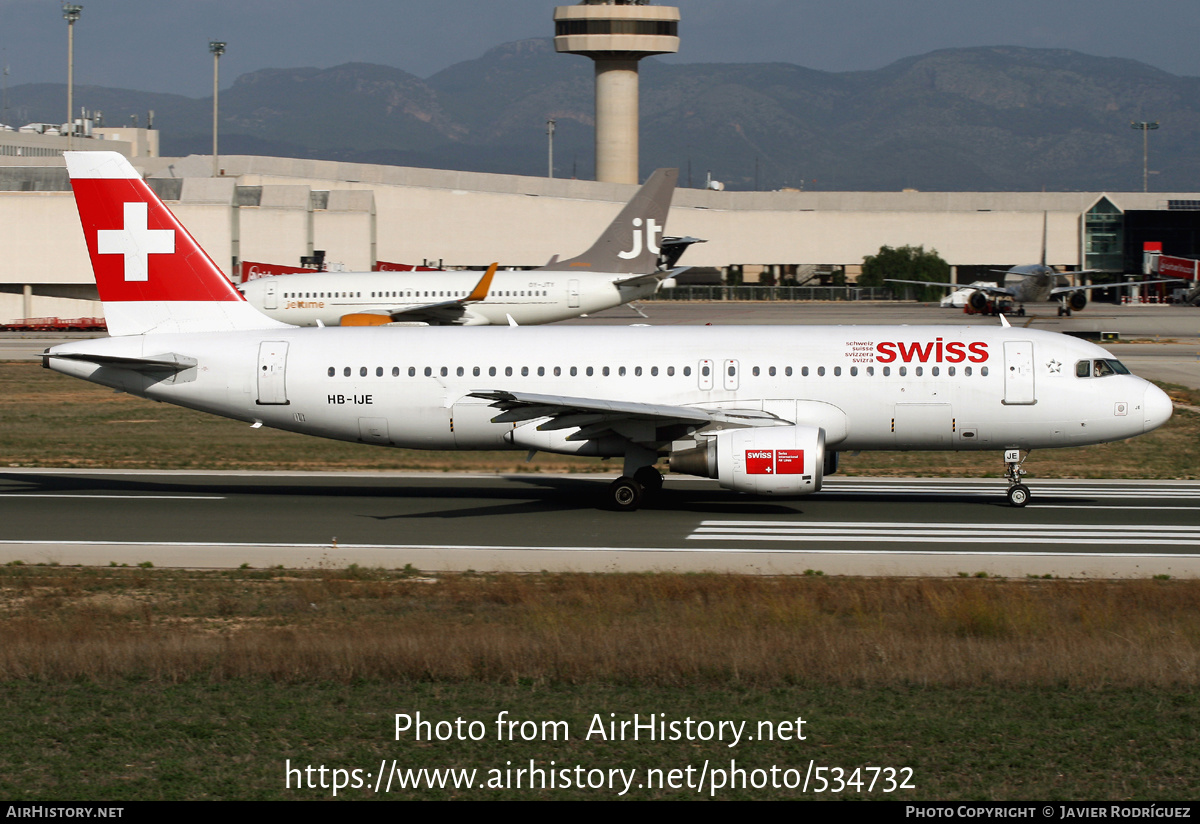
(622, 266)
(764, 410)
(1032, 283)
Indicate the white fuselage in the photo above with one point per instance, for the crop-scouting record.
(869, 387)
(529, 297)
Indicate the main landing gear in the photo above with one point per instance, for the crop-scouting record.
(1018, 493)
(626, 494)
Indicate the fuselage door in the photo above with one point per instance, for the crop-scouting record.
(704, 374)
(1018, 372)
(729, 375)
(573, 294)
(272, 368)
(270, 294)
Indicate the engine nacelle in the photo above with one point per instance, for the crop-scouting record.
(979, 302)
(770, 460)
(1077, 301)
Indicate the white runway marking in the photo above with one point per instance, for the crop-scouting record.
(898, 532)
(118, 497)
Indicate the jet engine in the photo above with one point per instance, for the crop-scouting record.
(773, 460)
(1077, 301)
(978, 302)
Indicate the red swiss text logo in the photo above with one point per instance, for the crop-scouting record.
(934, 351)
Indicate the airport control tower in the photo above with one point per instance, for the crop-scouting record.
(616, 35)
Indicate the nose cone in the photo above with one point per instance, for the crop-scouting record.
(1156, 408)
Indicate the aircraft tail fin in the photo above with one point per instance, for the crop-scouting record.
(631, 243)
(151, 273)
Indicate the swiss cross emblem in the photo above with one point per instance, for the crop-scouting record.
(136, 241)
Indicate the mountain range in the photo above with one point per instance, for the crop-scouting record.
(986, 119)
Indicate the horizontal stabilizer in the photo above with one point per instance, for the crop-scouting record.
(169, 362)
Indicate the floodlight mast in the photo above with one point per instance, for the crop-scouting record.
(1145, 128)
(70, 12)
(217, 47)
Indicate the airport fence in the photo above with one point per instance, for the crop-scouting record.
(776, 293)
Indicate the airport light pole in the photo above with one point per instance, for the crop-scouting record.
(550, 138)
(1145, 128)
(70, 12)
(217, 47)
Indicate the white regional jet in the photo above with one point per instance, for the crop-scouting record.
(762, 409)
(620, 267)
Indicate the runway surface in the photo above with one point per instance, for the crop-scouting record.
(553, 522)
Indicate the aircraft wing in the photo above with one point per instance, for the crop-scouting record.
(444, 312)
(1065, 290)
(999, 291)
(596, 418)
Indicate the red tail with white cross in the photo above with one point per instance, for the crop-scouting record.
(151, 274)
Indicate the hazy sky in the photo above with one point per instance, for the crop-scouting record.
(162, 45)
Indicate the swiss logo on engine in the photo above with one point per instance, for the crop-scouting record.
(775, 462)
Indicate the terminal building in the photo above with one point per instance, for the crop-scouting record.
(278, 210)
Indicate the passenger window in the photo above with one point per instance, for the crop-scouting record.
(670, 371)
(589, 371)
(920, 371)
(950, 371)
(788, 371)
(524, 371)
(460, 372)
(541, 371)
(379, 371)
(621, 371)
(687, 371)
(445, 371)
(346, 371)
(967, 371)
(837, 371)
(491, 371)
(903, 371)
(412, 371)
(574, 371)
(637, 371)
(362, 371)
(887, 371)
(475, 371)
(871, 371)
(654, 371)
(557, 371)
(508, 371)
(983, 370)
(820, 371)
(935, 371)
(771, 372)
(428, 372)
(853, 371)
(804, 371)
(605, 371)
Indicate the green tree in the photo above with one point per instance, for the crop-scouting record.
(906, 263)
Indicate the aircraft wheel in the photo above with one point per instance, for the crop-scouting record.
(1018, 495)
(650, 478)
(625, 494)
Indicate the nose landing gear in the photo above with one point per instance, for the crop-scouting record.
(1018, 493)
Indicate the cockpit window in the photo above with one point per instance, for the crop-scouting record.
(1099, 368)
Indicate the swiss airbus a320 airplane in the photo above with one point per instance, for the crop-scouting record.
(621, 266)
(764, 410)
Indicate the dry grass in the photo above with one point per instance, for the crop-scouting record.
(651, 630)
